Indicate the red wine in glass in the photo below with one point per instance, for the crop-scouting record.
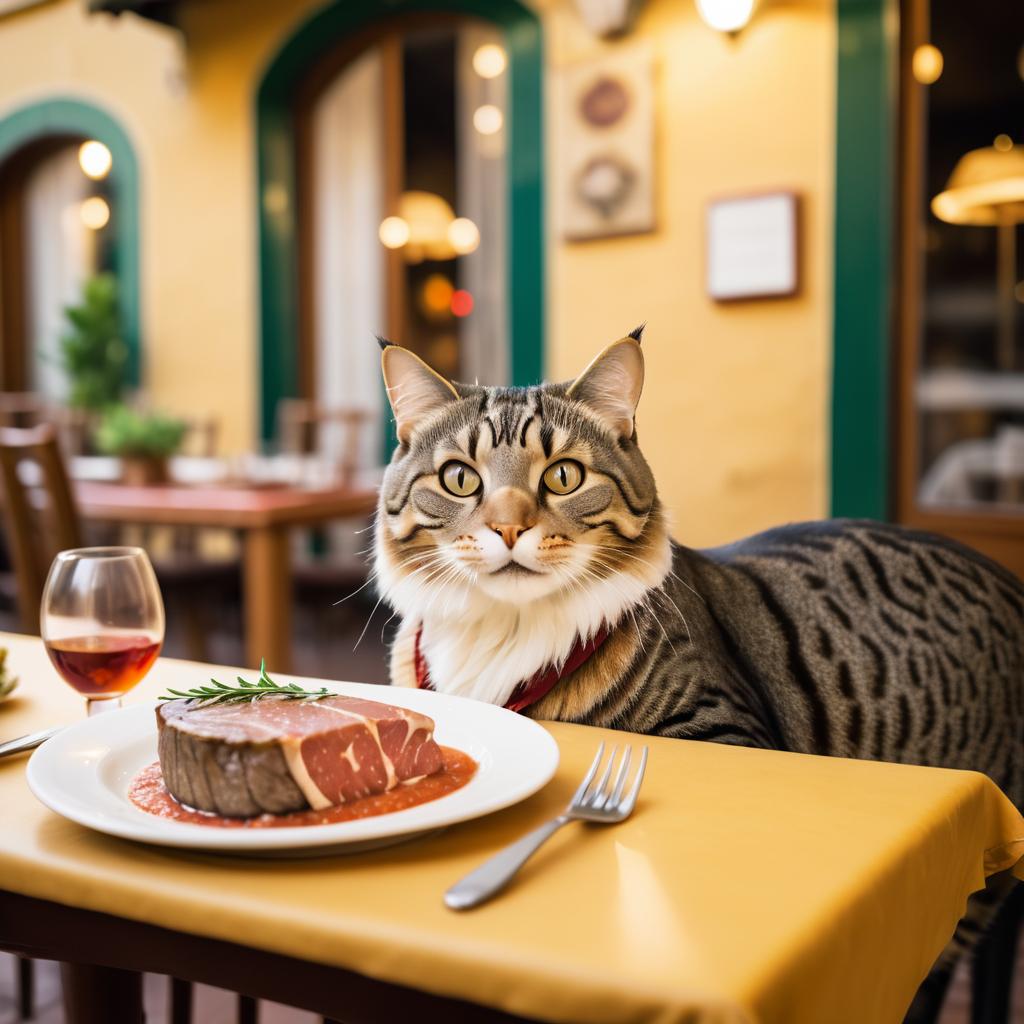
(102, 620)
(103, 666)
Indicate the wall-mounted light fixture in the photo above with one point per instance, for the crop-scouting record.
(726, 15)
(607, 18)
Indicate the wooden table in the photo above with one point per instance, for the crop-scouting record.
(748, 886)
(264, 516)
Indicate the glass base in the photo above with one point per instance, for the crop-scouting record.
(97, 707)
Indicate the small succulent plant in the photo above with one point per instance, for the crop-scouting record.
(7, 681)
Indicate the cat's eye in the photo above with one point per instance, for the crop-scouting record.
(459, 479)
(563, 477)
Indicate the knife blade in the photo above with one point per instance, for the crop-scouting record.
(28, 742)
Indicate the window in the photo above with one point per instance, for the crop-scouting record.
(961, 374)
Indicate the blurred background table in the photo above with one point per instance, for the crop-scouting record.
(264, 516)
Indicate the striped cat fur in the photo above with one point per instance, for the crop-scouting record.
(514, 521)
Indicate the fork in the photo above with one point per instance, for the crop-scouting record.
(601, 804)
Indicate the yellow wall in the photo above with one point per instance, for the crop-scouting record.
(734, 417)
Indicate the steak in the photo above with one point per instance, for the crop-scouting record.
(276, 755)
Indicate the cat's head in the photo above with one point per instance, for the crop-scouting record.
(517, 494)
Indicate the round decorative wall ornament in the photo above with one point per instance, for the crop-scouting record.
(605, 102)
(605, 182)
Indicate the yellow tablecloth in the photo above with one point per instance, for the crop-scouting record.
(748, 886)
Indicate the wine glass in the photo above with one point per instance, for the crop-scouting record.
(102, 621)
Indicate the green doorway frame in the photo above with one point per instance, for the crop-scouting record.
(863, 305)
(276, 181)
(64, 115)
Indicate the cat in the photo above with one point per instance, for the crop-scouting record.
(521, 539)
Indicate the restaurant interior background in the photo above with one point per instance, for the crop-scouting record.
(813, 208)
(208, 208)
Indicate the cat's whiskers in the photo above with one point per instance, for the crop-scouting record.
(578, 585)
(660, 588)
(630, 607)
(645, 602)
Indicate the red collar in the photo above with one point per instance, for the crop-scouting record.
(529, 691)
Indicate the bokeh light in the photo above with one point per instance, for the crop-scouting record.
(94, 213)
(394, 232)
(462, 302)
(489, 60)
(488, 119)
(1003, 143)
(95, 160)
(464, 235)
(927, 64)
(437, 294)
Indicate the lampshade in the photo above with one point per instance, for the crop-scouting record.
(986, 187)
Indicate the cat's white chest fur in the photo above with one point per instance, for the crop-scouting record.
(482, 648)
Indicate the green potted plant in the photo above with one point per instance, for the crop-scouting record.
(144, 441)
(94, 356)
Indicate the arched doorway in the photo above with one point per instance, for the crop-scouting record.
(41, 182)
(304, 72)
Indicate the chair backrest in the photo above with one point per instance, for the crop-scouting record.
(39, 511)
(21, 409)
(301, 425)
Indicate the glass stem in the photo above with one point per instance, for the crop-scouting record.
(97, 707)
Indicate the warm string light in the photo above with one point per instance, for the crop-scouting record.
(394, 232)
(95, 160)
(927, 64)
(489, 60)
(464, 235)
(488, 119)
(94, 213)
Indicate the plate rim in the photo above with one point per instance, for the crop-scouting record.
(183, 835)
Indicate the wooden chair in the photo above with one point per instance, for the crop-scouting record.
(41, 519)
(39, 511)
(301, 425)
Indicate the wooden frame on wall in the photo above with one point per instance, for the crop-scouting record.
(722, 253)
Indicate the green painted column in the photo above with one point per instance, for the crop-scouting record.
(864, 265)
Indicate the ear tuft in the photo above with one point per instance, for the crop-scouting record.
(612, 383)
(415, 391)
(637, 333)
(383, 342)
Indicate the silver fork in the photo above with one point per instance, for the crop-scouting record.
(605, 803)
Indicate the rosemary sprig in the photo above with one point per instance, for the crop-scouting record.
(221, 693)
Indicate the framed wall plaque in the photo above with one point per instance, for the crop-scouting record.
(753, 247)
(606, 144)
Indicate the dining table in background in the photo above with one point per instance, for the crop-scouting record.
(263, 515)
(749, 887)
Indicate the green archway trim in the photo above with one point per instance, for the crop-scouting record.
(863, 303)
(69, 116)
(276, 181)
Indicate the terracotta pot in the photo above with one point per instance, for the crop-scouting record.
(139, 470)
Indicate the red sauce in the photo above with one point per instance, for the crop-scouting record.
(149, 793)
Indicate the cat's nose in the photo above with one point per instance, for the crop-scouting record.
(510, 532)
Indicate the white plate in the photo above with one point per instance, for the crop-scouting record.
(85, 771)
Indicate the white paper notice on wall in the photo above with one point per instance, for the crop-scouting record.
(752, 247)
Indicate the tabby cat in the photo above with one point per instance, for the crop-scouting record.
(521, 526)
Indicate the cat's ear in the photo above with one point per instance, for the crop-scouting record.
(612, 383)
(415, 391)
